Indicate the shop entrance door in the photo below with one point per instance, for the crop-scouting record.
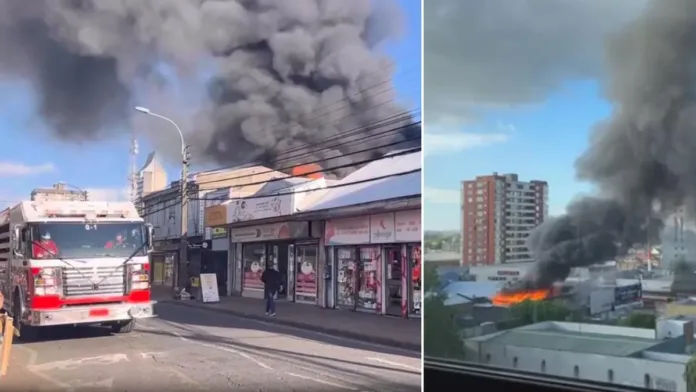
(394, 274)
(279, 259)
(306, 278)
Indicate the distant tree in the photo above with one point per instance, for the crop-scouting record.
(530, 312)
(690, 374)
(440, 335)
(639, 320)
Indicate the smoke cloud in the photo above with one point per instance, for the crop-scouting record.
(277, 74)
(642, 157)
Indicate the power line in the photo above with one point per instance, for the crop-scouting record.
(405, 152)
(299, 165)
(281, 169)
(391, 120)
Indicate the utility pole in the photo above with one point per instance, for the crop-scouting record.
(183, 245)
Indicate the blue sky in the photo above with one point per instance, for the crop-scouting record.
(33, 159)
(538, 141)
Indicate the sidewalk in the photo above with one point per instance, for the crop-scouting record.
(390, 331)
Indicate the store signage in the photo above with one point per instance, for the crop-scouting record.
(218, 232)
(249, 209)
(627, 294)
(347, 231)
(403, 226)
(382, 228)
(216, 215)
(408, 226)
(271, 232)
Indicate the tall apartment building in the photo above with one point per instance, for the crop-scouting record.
(151, 178)
(498, 214)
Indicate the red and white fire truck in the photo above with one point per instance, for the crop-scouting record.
(73, 263)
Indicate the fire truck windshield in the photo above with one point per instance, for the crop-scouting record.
(83, 240)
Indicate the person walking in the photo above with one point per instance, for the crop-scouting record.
(271, 285)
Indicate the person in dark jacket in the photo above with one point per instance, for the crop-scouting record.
(271, 285)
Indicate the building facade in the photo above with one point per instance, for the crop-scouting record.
(207, 250)
(355, 247)
(59, 191)
(498, 214)
(678, 240)
(151, 178)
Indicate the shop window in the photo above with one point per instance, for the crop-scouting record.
(254, 256)
(416, 275)
(369, 283)
(346, 277)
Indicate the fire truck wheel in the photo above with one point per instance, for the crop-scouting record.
(123, 326)
(27, 333)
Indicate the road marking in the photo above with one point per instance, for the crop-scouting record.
(227, 349)
(392, 363)
(322, 381)
(33, 356)
(108, 383)
(74, 364)
(287, 327)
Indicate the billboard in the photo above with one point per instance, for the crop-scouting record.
(628, 294)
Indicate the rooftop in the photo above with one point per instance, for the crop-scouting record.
(358, 188)
(578, 342)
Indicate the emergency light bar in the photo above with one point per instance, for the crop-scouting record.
(85, 213)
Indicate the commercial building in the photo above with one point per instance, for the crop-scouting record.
(353, 244)
(162, 209)
(498, 214)
(678, 240)
(59, 191)
(150, 178)
(644, 358)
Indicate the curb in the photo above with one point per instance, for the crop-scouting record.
(416, 347)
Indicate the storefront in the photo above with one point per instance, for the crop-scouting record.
(286, 247)
(163, 260)
(375, 263)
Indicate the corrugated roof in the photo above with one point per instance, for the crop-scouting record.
(395, 187)
(588, 343)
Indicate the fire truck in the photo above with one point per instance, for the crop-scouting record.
(73, 263)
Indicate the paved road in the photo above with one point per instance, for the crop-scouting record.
(203, 350)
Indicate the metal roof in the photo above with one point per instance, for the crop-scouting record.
(587, 343)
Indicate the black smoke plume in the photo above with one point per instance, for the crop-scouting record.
(643, 158)
(277, 74)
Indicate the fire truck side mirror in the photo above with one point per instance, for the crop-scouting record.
(17, 241)
(149, 236)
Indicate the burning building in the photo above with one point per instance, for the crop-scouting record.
(640, 158)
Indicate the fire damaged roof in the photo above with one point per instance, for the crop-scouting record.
(560, 340)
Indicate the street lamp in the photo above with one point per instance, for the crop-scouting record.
(183, 246)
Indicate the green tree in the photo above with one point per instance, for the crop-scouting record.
(440, 335)
(530, 312)
(690, 375)
(639, 320)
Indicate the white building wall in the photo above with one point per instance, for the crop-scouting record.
(591, 367)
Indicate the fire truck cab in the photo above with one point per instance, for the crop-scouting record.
(73, 263)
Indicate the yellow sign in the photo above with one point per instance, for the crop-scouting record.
(218, 232)
(216, 216)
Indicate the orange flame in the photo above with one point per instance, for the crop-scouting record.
(508, 299)
(308, 168)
